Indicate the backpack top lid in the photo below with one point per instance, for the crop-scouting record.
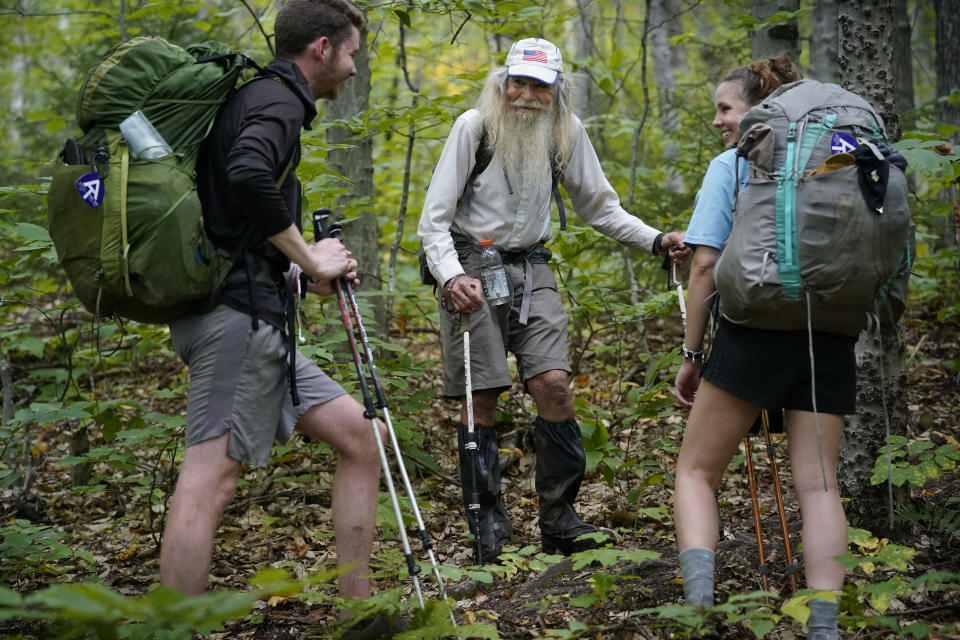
(177, 95)
(796, 99)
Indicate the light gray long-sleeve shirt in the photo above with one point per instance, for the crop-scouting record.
(515, 216)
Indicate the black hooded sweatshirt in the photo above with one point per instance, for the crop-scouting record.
(254, 141)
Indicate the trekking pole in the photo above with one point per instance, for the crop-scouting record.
(473, 507)
(756, 513)
(321, 230)
(683, 304)
(392, 433)
(771, 453)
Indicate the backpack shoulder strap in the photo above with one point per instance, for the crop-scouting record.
(481, 160)
(556, 174)
(482, 157)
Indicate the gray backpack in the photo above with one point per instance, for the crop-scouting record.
(822, 227)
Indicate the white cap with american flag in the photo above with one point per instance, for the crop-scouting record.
(535, 58)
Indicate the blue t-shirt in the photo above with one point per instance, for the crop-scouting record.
(712, 217)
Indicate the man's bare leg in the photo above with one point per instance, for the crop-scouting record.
(205, 487)
(340, 423)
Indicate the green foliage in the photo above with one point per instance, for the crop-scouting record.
(88, 609)
(68, 367)
(516, 561)
(685, 621)
(609, 557)
(930, 517)
(936, 165)
(863, 605)
(879, 557)
(28, 548)
(875, 552)
(433, 623)
(914, 462)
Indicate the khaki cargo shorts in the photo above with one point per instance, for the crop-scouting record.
(539, 346)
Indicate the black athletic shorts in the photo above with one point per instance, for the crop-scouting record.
(771, 369)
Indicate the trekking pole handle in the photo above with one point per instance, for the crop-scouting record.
(322, 227)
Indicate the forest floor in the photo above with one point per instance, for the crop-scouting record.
(276, 521)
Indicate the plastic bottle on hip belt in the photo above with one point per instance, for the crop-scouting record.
(144, 140)
(493, 275)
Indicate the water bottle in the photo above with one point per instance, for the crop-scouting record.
(144, 140)
(493, 275)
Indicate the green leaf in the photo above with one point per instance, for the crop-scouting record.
(403, 17)
(760, 627)
(796, 607)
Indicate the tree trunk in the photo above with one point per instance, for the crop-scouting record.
(903, 61)
(589, 98)
(823, 43)
(948, 81)
(948, 53)
(775, 39)
(866, 54)
(866, 34)
(666, 59)
(361, 233)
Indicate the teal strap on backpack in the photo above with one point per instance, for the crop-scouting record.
(786, 203)
(812, 136)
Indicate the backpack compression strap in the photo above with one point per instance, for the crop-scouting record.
(786, 199)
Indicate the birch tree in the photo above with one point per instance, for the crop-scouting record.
(666, 59)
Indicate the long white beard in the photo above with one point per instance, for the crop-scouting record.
(525, 144)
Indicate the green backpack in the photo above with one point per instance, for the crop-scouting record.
(129, 232)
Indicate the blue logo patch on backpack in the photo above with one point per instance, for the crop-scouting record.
(822, 228)
(90, 188)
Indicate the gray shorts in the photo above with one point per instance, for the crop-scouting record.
(539, 346)
(239, 383)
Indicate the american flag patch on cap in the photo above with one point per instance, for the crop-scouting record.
(534, 55)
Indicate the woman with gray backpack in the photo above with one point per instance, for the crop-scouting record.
(750, 368)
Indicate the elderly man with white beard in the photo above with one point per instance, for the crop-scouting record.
(530, 134)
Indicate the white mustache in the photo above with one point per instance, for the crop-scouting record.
(531, 104)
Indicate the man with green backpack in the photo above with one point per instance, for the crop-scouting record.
(249, 385)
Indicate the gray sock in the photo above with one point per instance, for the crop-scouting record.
(822, 624)
(696, 567)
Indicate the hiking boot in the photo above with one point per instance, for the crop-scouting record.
(491, 523)
(561, 462)
(378, 626)
(566, 545)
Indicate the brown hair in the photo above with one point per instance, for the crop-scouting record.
(300, 22)
(760, 78)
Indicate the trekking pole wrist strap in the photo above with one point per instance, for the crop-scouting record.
(657, 249)
(694, 356)
(448, 287)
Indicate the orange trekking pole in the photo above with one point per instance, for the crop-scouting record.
(756, 512)
(771, 453)
(764, 421)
